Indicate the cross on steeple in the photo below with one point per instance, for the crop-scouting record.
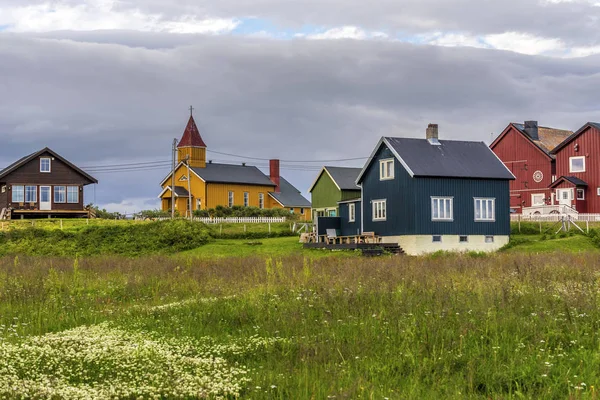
(191, 111)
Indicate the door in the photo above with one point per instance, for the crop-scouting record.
(45, 198)
(564, 196)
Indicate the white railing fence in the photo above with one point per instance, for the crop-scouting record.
(241, 220)
(555, 217)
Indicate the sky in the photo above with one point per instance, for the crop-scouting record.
(108, 83)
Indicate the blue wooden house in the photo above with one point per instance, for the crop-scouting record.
(429, 195)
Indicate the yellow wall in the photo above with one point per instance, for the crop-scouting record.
(303, 217)
(198, 190)
(218, 194)
(197, 156)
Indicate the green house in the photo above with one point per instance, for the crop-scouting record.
(333, 184)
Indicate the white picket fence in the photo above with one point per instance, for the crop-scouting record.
(555, 217)
(241, 220)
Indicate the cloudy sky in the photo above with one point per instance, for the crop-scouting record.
(108, 83)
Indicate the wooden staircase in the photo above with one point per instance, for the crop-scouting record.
(5, 214)
(378, 249)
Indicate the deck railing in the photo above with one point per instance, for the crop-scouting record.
(555, 217)
(241, 220)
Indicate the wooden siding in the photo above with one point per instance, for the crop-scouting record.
(3, 196)
(588, 143)
(408, 203)
(218, 194)
(523, 159)
(325, 193)
(198, 190)
(350, 228)
(197, 156)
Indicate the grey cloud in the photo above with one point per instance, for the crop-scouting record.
(105, 103)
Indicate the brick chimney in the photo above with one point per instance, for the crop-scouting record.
(274, 172)
(531, 129)
(432, 133)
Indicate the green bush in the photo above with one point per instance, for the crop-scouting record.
(240, 212)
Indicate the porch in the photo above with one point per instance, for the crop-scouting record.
(37, 214)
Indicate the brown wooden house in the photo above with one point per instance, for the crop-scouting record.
(43, 184)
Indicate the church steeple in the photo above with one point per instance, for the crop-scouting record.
(191, 145)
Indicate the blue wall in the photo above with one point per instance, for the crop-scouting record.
(350, 228)
(409, 202)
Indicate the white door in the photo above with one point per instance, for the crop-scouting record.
(564, 196)
(45, 198)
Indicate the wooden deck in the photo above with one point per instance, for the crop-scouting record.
(49, 213)
(366, 248)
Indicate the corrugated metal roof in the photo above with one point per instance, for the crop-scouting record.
(344, 177)
(451, 158)
(550, 138)
(231, 173)
(289, 195)
(181, 191)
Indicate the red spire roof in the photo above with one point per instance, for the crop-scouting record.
(191, 136)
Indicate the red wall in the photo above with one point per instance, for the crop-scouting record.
(523, 159)
(589, 146)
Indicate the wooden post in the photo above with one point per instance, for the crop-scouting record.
(87, 221)
(519, 224)
(221, 229)
(61, 225)
(269, 227)
(244, 228)
(587, 226)
(540, 226)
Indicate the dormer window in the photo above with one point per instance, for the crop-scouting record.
(386, 169)
(45, 164)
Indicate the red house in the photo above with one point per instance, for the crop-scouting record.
(526, 149)
(578, 170)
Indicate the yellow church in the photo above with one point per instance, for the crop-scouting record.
(212, 184)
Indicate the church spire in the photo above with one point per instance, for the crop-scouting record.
(192, 145)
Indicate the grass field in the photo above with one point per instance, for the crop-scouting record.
(503, 326)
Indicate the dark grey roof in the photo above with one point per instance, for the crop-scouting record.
(26, 159)
(231, 173)
(289, 195)
(451, 158)
(596, 124)
(572, 179)
(181, 191)
(344, 177)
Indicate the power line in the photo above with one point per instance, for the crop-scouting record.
(291, 161)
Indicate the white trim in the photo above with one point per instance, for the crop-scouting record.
(230, 198)
(274, 198)
(538, 204)
(35, 197)
(577, 194)
(436, 236)
(383, 167)
(351, 210)
(176, 168)
(491, 237)
(571, 165)
(379, 201)
(463, 241)
(262, 206)
(444, 198)
(394, 152)
(598, 191)
(47, 205)
(484, 200)
(169, 188)
(76, 192)
(49, 165)
(324, 169)
(501, 162)
(56, 191)
(349, 201)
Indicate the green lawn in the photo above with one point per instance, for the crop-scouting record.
(569, 244)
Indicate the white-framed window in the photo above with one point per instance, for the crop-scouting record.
(30, 194)
(291, 210)
(598, 191)
(485, 209)
(73, 194)
(379, 210)
(301, 211)
(183, 178)
(18, 193)
(332, 213)
(45, 164)
(386, 169)
(230, 199)
(580, 194)
(489, 239)
(436, 238)
(246, 199)
(463, 239)
(577, 164)
(60, 194)
(351, 212)
(537, 199)
(442, 208)
(3, 188)
(261, 200)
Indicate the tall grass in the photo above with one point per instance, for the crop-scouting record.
(451, 326)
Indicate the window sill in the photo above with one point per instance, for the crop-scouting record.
(379, 219)
(442, 220)
(386, 179)
(485, 220)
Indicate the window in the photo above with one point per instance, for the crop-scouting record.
(45, 164)
(60, 194)
(441, 208)
(577, 164)
(3, 188)
(463, 239)
(183, 178)
(261, 200)
(537, 199)
(332, 213)
(72, 194)
(598, 191)
(351, 212)
(386, 169)
(30, 194)
(302, 211)
(230, 199)
(18, 194)
(246, 199)
(379, 210)
(437, 239)
(489, 239)
(580, 194)
(291, 210)
(485, 210)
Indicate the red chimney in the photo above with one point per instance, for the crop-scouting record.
(274, 169)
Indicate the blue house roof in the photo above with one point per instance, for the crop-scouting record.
(444, 159)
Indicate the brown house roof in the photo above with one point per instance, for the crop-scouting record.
(550, 138)
(191, 136)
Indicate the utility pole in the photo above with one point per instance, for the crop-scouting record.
(173, 151)
(187, 162)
